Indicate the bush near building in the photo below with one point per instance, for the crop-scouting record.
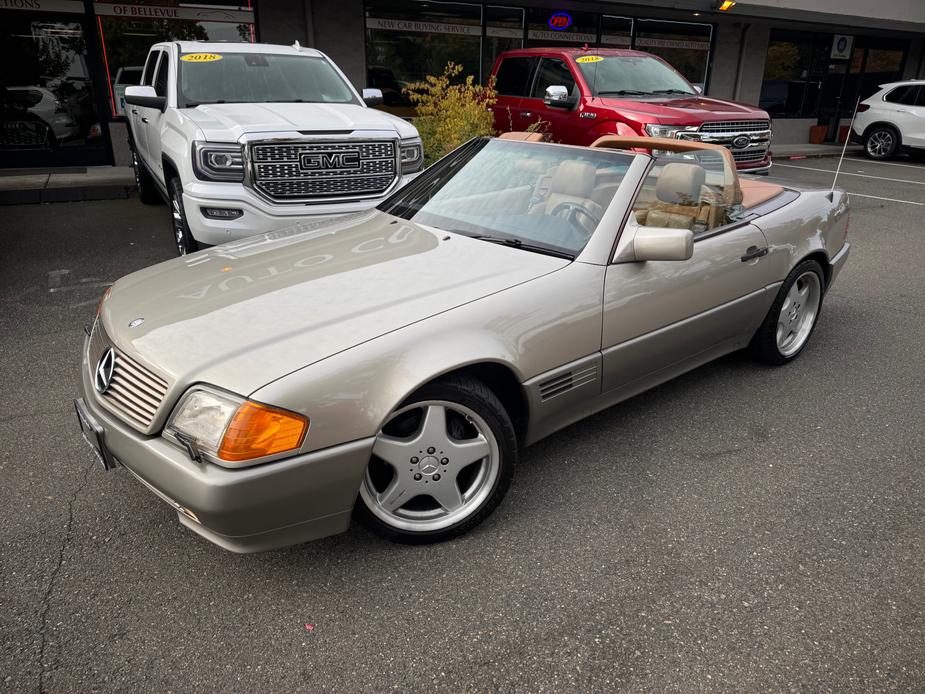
(449, 113)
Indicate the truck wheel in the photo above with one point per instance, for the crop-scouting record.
(147, 191)
(881, 142)
(441, 464)
(182, 235)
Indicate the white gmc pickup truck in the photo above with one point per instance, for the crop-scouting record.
(243, 138)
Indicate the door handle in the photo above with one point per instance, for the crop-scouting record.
(528, 114)
(135, 111)
(754, 252)
(144, 120)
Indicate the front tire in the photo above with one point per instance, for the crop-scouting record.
(182, 236)
(881, 142)
(793, 316)
(440, 465)
(147, 190)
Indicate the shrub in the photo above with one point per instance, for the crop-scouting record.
(449, 114)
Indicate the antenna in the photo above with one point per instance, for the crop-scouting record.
(845, 148)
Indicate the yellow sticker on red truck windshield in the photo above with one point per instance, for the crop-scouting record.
(200, 57)
(589, 59)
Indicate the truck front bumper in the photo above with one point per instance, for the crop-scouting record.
(258, 216)
(245, 510)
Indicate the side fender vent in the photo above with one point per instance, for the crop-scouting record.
(564, 382)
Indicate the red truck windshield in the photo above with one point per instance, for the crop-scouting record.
(630, 76)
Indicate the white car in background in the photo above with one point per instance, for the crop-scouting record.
(44, 104)
(892, 120)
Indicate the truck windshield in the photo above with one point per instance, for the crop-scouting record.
(631, 75)
(247, 78)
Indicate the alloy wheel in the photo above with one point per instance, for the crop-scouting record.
(798, 313)
(880, 143)
(434, 463)
(179, 232)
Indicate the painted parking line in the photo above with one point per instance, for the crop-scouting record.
(877, 197)
(848, 173)
(886, 163)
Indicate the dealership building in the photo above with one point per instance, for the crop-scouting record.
(66, 63)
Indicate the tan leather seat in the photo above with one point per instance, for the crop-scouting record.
(574, 182)
(678, 191)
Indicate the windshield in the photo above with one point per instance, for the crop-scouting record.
(543, 198)
(631, 75)
(247, 78)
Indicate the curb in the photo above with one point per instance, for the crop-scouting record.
(32, 196)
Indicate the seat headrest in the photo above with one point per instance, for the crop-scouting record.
(575, 178)
(680, 184)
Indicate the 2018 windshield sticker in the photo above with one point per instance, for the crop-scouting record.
(589, 59)
(200, 57)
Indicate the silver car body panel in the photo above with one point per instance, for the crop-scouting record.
(342, 320)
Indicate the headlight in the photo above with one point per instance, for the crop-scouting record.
(228, 428)
(412, 156)
(218, 162)
(671, 131)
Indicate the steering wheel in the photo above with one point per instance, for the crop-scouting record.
(575, 211)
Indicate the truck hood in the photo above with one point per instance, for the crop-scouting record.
(243, 314)
(228, 122)
(686, 110)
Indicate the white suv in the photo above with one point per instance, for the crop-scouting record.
(892, 119)
(245, 138)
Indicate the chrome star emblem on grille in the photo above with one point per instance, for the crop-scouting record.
(104, 370)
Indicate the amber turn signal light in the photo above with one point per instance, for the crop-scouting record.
(259, 430)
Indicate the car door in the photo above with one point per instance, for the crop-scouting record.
(661, 318)
(512, 79)
(901, 108)
(135, 113)
(914, 132)
(151, 117)
(563, 122)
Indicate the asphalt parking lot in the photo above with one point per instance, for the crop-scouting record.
(742, 528)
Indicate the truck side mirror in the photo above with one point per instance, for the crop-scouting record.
(557, 96)
(145, 96)
(698, 89)
(372, 97)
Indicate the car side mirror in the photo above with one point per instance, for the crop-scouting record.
(145, 96)
(557, 96)
(372, 97)
(663, 243)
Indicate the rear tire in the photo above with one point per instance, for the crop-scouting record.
(793, 316)
(182, 236)
(881, 142)
(441, 464)
(147, 190)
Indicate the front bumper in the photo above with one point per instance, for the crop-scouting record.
(247, 510)
(259, 215)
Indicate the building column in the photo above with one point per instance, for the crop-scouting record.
(339, 28)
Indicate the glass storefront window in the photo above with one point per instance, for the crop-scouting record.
(411, 39)
(48, 108)
(684, 45)
(129, 29)
(560, 28)
(616, 32)
(786, 90)
(504, 31)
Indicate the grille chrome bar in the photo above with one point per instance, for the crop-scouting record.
(317, 171)
(736, 126)
(758, 133)
(135, 393)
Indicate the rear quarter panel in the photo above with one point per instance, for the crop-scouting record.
(811, 224)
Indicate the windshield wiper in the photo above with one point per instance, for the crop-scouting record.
(672, 91)
(625, 92)
(517, 243)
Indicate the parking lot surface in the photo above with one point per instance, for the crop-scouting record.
(742, 528)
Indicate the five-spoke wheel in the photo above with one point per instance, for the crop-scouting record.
(440, 464)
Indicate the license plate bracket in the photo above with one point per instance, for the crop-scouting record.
(93, 434)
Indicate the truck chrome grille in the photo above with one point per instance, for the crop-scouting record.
(293, 171)
(756, 134)
(135, 392)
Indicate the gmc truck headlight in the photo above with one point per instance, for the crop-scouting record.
(230, 429)
(218, 162)
(412, 156)
(671, 131)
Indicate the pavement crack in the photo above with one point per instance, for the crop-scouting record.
(52, 579)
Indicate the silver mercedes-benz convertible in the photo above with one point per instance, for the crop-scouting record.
(391, 364)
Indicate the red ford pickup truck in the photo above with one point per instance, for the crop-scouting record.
(583, 93)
